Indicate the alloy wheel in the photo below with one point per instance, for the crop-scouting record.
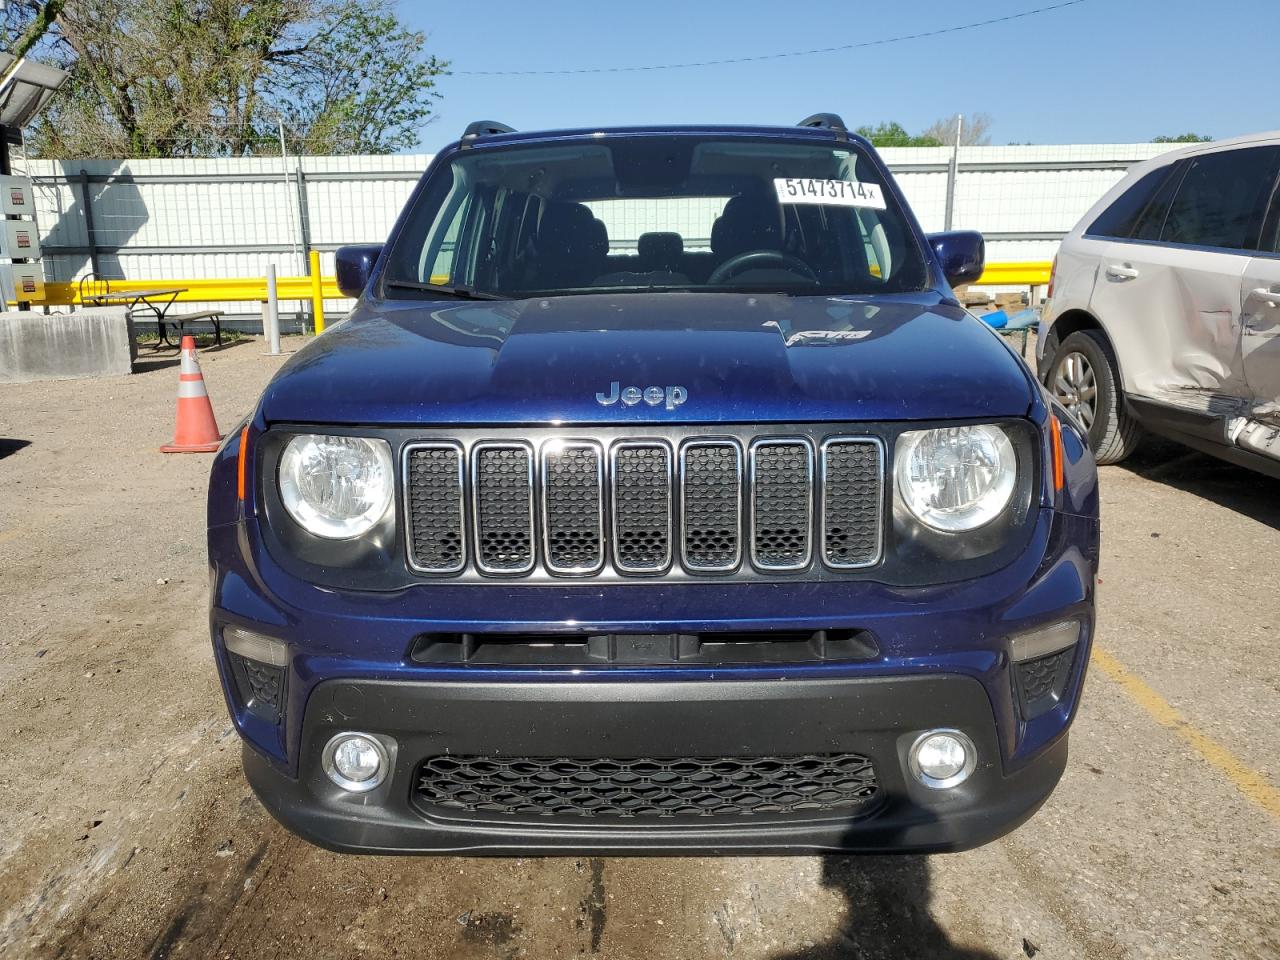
(1075, 386)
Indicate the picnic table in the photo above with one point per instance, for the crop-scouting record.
(157, 302)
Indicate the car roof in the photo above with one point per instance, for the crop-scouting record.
(732, 130)
(1217, 146)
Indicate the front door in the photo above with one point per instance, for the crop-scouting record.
(1260, 336)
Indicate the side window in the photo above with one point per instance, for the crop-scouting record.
(1271, 228)
(1119, 219)
(875, 242)
(1223, 199)
(441, 259)
(1151, 222)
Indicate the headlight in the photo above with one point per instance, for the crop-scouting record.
(955, 478)
(336, 487)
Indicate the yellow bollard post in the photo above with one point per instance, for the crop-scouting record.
(317, 296)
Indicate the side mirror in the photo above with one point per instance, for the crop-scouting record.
(354, 265)
(961, 253)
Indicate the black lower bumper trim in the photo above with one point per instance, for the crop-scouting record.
(878, 718)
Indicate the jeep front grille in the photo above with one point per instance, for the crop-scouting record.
(642, 483)
(502, 484)
(637, 506)
(436, 528)
(781, 503)
(712, 489)
(573, 506)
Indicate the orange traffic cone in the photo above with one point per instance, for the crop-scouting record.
(197, 431)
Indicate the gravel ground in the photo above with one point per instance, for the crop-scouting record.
(126, 829)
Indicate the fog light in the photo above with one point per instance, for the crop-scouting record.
(355, 761)
(942, 758)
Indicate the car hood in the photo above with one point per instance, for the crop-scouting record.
(713, 357)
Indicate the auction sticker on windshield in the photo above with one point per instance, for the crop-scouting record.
(840, 193)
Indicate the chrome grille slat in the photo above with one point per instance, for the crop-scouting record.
(781, 485)
(742, 502)
(711, 505)
(642, 480)
(502, 492)
(573, 506)
(852, 492)
(433, 507)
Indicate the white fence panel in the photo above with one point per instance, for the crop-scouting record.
(179, 219)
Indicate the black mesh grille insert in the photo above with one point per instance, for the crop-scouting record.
(435, 508)
(648, 788)
(782, 507)
(1042, 681)
(642, 507)
(504, 509)
(260, 686)
(851, 503)
(712, 506)
(573, 517)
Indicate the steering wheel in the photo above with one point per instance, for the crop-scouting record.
(754, 260)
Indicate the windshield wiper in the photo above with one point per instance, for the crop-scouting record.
(459, 291)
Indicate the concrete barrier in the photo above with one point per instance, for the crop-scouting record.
(87, 343)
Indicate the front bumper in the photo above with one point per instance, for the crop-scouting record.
(944, 661)
(877, 717)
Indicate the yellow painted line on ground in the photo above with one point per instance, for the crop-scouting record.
(1248, 781)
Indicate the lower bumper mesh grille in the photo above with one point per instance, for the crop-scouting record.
(648, 788)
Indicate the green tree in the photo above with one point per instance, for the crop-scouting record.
(1183, 138)
(893, 134)
(187, 78)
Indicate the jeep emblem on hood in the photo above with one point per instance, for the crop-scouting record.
(653, 396)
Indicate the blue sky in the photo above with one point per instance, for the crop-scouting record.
(1104, 71)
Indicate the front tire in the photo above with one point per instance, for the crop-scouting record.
(1084, 379)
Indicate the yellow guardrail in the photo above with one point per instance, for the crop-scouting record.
(317, 288)
(253, 289)
(1016, 274)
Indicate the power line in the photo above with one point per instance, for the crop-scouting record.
(775, 56)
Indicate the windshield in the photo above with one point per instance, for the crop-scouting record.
(654, 213)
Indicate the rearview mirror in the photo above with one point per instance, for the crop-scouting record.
(962, 254)
(354, 266)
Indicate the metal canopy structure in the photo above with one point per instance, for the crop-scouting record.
(25, 88)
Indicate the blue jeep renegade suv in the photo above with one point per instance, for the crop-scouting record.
(657, 495)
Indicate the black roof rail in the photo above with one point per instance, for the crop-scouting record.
(827, 121)
(484, 128)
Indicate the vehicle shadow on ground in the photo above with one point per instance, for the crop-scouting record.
(887, 913)
(10, 446)
(1245, 491)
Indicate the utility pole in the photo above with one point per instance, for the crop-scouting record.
(952, 172)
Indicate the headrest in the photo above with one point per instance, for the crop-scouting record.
(660, 248)
(562, 220)
(749, 222)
